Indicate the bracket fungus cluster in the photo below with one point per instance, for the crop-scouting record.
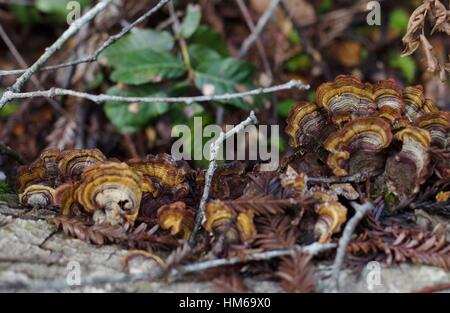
(358, 142)
(81, 181)
(361, 128)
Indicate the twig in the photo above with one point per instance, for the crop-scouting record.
(248, 42)
(53, 92)
(176, 27)
(8, 42)
(306, 43)
(174, 274)
(73, 29)
(356, 178)
(262, 52)
(214, 149)
(312, 249)
(5, 150)
(361, 211)
(93, 57)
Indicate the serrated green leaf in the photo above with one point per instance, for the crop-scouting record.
(130, 117)
(138, 42)
(191, 21)
(199, 54)
(207, 37)
(225, 76)
(148, 66)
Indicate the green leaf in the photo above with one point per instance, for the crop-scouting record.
(149, 66)
(9, 108)
(26, 15)
(138, 42)
(130, 117)
(96, 81)
(207, 37)
(191, 21)
(325, 6)
(299, 62)
(398, 21)
(284, 107)
(199, 54)
(405, 64)
(57, 6)
(225, 76)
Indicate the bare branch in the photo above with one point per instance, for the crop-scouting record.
(93, 57)
(8, 42)
(214, 149)
(10, 95)
(361, 211)
(5, 150)
(73, 29)
(248, 42)
(174, 274)
(262, 52)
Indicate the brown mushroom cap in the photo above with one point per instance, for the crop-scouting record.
(112, 188)
(369, 134)
(164, 171)
(406, 170)
(305, 123)
(177, 218)
(332, 215)
(414, 100)
(37, 196)
(345, 98)
(438, 124)
(71, 163)
(221, 219)
(65, 197)
(41, 171)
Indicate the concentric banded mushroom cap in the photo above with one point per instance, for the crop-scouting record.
(346, 98)
(438, 124)
(388, 94)
(163, 170)
(414, 100)
(221, 219)
(42, 171)
(246, 226)
(37, 196)
(332, 215)
(71, 163)
(177, 218)
(65, 197)
(370, 134)
(305, 123)
(406, 170)
(113, 188)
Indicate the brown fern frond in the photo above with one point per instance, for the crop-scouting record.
(86, 231)
(276, 232)
(297, 273)
(230, 282)
(404, 245)
(261, 204)
(105, 233)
